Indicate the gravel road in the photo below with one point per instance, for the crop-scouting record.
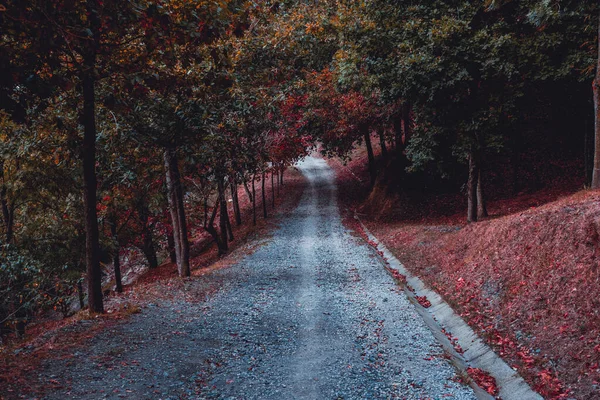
(311, 314)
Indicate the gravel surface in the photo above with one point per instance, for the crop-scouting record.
(311, 314)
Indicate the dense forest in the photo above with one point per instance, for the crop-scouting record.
(125, 123)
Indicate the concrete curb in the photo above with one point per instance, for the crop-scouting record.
(477, 354)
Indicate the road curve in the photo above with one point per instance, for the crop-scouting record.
(311, 314)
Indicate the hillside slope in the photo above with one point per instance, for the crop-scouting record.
(528, 282)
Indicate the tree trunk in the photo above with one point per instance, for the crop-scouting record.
(80, 294)
(281, 177)
(247, 190)
(276, 172)
(273, 189)
(236, 204)
(171, 246)
(372, 167)
(116, 259)
(148, 247)
(596, 88)
(481, 201)
(92, 245)
(175, 231)
(205, 204)
(398, 132)
(406, 124)
(229, 229)
(472, 187)
(8, 213)
(253, 201)
(264, 197)
(213, 231)
(176, 208)
(223, 218)
(384, 152)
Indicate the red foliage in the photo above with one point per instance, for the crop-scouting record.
(483, 380)
(423, 301)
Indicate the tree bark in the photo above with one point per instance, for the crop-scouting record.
(205, 204)
(213, 231)
(406, 124)
(282, 171)
(175, 231)
(384, 152)
(264, 197)
(92, 241)
(236, 204)
(398, 132)
(229, 228)
(596, 88)
(472, 187)
(177, 211)
(148, 247)
(371, 155)
(171, 246)
(247, 190)
(276, 172)
(116, 259)
(273, 189)
(223, 219)
(80, 294)
(8, 213)
(481, 201)
(253, 200)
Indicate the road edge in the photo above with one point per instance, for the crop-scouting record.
(439, 316)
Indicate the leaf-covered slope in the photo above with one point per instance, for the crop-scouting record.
(528, 281)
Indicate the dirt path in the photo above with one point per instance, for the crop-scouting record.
(312, 314)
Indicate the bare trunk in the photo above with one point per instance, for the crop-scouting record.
(171, 246)
(175, 231)
(406, 124)
(7, 213)
(247, 190)
(205, 203)
(223, 219)
(596, 88)
(253, 200)
(264, 197)
(183, 234)
(281, 177)
(210, 228)
(236, 204)
(80, 294)
(148, 247)
(482, 211)
(229, 229)
(177, 211)
(276, 172)
(117, 269)
(116, 259)
(372, 167)
(384, 152)
(92, 246)
(273, 189)
(472, 187)
(399, 144)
